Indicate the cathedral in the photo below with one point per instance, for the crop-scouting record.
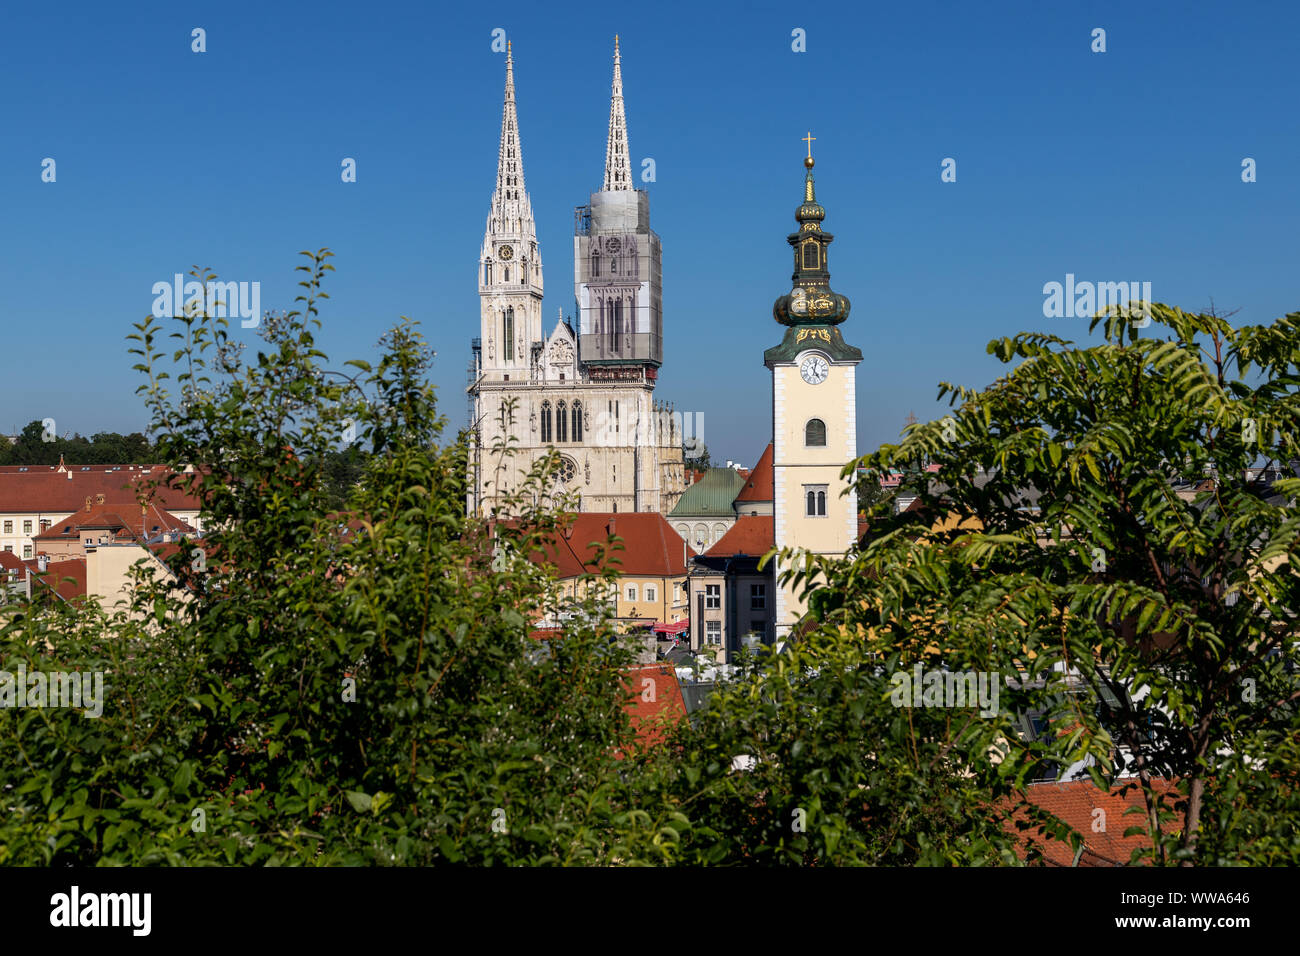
(588, 392)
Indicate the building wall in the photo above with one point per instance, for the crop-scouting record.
(17, 540)
(796, 466)
(734, 614)
(702, 532)
(670, 603)
(629, 458)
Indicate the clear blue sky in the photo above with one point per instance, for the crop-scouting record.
(1117, 166)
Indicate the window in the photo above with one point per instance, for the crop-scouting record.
(508, 323)
(815, 501)
(561, 423)
(650, 592)
(577, 417)
(631, 592)
(814, 433)
(546, 422)
(759, 628)
(713, 596)
(713, 632)
(677, 591)
(810, 255)
(9, 527)
(507, 273)
(27, 527)
(9, 548)
(758, 597)
(27, 551)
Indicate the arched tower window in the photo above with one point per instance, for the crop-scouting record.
(814, 433)
(508, 347)
(487, 273)
(561, 423)
(577, 421)
(507, 273)
(810, 258)
(618, 324)
(595, 264)
(821, 502)
(546, 422)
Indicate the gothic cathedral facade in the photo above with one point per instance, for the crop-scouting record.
(586, 393)
(814, 407)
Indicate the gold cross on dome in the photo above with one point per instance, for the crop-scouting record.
(809, 140)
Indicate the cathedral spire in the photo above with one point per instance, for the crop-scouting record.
(618, 163)
(510, 162)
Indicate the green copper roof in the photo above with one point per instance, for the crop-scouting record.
(825, 339)
(811, 301)
(711, 496)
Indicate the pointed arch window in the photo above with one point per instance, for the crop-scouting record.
(487, 273)
(814, 433)
(507, 270)
(546, 422)
(561, 423)
(577, 421)
(508, 346)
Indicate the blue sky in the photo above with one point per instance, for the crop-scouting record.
(1123, 165)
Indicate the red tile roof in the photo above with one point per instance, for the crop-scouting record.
(760, 486)
(66, 492)
(124, 519)
(54, 576)
(1073, 803)
(751, 534)
(651, 545)
(654, 703)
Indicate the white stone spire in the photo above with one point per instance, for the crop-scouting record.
(618, 162)
(510, 161)
(510, 264)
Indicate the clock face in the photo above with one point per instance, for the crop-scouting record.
(613, 246)
(814, 370)
(507, 253)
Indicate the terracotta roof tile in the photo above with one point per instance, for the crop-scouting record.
(751, 534)
(1074, 803)
(651, 546)
(760, 485)
(55, 574)
(66, 492)
(124, 519)
(653, 719)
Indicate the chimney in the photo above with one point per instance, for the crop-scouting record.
(42, 562)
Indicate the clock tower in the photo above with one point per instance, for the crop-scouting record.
(510, 264)
(814, 406)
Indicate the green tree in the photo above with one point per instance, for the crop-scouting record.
(695, 455)
(1146, 612)
(313, 692)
